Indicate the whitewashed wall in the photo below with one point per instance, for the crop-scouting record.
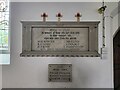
(115, 20)
(0, 77)
(32, 72)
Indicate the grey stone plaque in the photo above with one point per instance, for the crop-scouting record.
(60, 39)
(60, 73)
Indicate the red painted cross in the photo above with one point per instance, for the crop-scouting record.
(44, 15)
(78, 15)
(59, 15)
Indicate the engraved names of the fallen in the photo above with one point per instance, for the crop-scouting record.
(60, 73)
(60, 39)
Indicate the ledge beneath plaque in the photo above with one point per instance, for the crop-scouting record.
(60, 54)
(64, 39)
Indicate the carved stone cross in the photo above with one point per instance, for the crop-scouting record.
(78, 15)
(44, 15)
(59, 15)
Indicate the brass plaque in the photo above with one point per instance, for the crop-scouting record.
(60, 73)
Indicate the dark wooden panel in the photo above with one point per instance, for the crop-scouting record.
(116, 46)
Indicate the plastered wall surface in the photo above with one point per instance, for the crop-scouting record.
(0, 77)
(32, 72)
(115, 19)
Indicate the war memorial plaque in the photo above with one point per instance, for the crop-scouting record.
(65, 39)
(60, 73)
(60, 39)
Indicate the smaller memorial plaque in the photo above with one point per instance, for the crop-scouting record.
(60, 73)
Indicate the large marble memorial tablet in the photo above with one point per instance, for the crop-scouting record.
(65, 39)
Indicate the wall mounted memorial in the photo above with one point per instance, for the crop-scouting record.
(60, 73)
(59, 39)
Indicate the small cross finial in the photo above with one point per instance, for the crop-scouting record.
(78, 15)
(59, 15)
(44, 15)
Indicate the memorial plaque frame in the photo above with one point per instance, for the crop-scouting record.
(28, 27)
